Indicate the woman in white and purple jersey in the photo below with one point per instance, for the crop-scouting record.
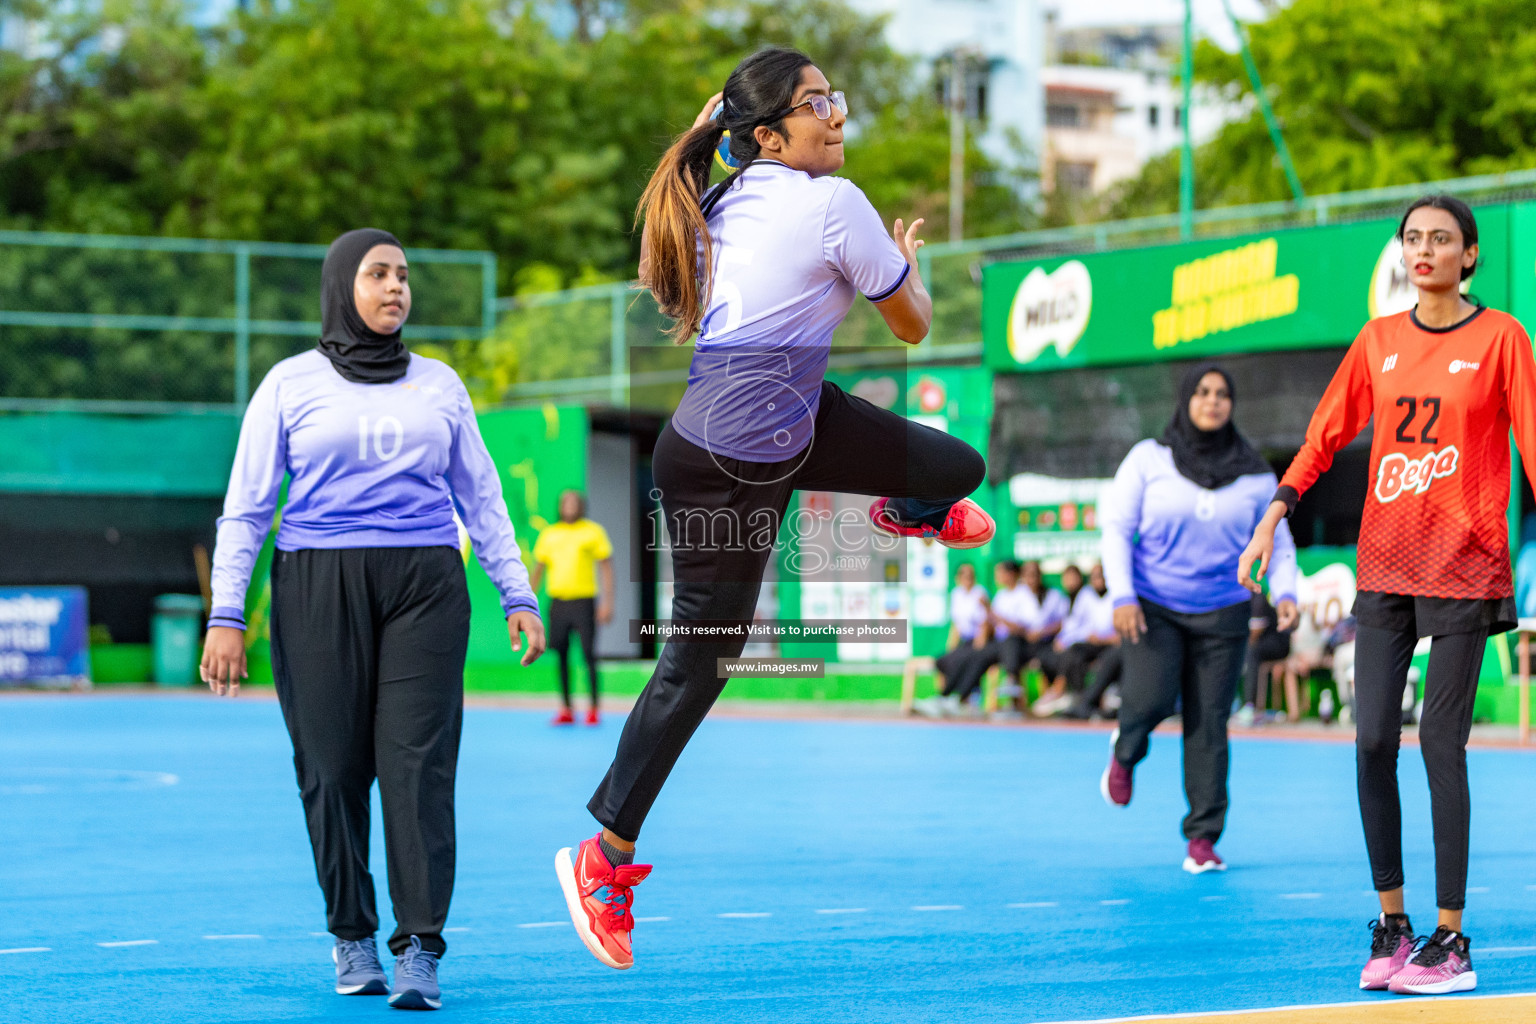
(762, 267)
(370, 610)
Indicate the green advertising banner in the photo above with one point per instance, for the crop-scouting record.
(1294, 288)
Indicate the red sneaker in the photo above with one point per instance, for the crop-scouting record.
(598, 896)
(966, 527)
(592, 717)
(563, 718)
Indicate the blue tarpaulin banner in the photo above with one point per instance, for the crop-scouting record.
(44, 636)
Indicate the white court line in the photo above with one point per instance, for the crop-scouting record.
(1462, 997)
(543, 924)
(1478, 888)
(843, 910)
(1490, 949)
(1301, 895)
(129, 942)
(321, 935)
(222, 938)
(747, 913)
(1031, 906)
(1530, 888)
(1213, 899)
(27, 949)
(940, 906)
(643, 920)
(1113, 903)
(459, 929)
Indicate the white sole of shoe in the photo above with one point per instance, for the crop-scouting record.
(410, 999)
(1464, 982)
(565, 870)
(375, 987)
(1195, 868)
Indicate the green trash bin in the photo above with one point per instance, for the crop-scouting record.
(177, 627)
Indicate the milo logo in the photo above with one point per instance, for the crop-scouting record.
(1050, 310)
(1398, 474)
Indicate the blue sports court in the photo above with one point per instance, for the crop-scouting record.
(820, 871)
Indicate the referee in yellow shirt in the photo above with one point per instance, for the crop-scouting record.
(571, 550)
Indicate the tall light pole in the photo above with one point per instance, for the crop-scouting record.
(957, 146)
(1187, 154)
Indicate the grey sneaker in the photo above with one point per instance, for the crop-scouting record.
(358, 971)
(416, 980)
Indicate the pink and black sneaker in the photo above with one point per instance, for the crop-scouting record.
(1442, 964)
(966, 526)
(1116, 784)
(1201, 857)
(1391, 946)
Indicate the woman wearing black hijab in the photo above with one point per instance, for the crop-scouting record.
(1175, 521)
(370, 610)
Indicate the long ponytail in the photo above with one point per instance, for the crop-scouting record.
(677, 248)
(676, 228)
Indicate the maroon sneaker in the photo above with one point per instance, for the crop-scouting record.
(1202, 857)
(1115, 784)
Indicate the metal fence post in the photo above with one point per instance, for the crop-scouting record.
(242, 327)
(488, 293)
(617, 343)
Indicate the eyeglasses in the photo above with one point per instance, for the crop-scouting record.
(820, 105)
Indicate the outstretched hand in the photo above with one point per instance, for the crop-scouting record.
(907, 241)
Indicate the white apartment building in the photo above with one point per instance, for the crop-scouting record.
(1002, 40)
(1104, 120)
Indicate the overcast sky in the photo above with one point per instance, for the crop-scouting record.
(1210, 18)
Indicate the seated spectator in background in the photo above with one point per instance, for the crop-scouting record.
(1268, 648)
(968, 608)
(1525, 569)
(964, 666)
(1096, 698)
(1086, 634)
(1038, 615)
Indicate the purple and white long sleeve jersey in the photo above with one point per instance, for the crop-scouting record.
(1170, 541)
(371, 466)
(791, 252)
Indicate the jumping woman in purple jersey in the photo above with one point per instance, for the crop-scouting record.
(763, 267)
(370, 612)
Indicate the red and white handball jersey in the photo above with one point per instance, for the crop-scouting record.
(1443, 400)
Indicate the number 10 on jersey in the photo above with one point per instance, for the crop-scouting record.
(387, 436)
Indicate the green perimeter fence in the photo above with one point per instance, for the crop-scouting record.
(122, 324)
(127, 324)
(592, 344)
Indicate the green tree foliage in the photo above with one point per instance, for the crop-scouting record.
(1369, 93)
(474, 124)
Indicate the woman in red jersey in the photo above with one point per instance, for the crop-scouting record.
(1444, 381)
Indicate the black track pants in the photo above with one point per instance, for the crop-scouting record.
(1011, 652)
(1074, 663)
(1196, 657)
(577, 616)
(713, 506)
(368, 650)
(1381, 672)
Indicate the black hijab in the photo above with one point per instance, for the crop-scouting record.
(358, 353)
(1209, 458)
